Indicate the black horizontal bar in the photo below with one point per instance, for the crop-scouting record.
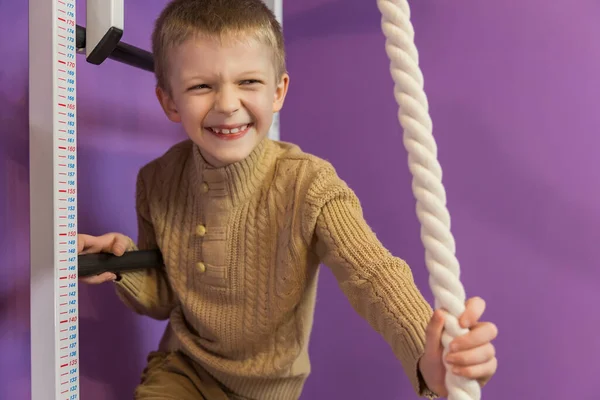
(123, 53)
(97, 263)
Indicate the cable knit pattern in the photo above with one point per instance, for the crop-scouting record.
(242, 245)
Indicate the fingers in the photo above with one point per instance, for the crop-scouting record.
(482, 333)
(97, 279)
(114, 243)
(472, 355)
(91, 244)
(477, 355)
(477, 371)
(83, 242)
(474, 308)
(120, 244)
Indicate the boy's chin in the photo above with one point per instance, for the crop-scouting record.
(224, 157)
(220, 154)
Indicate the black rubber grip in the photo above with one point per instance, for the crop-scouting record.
(97, 263)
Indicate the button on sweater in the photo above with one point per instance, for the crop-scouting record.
(242, 246)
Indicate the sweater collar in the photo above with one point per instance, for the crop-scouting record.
(238, 180)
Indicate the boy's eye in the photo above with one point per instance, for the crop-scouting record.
(201, 86)
(250, 81)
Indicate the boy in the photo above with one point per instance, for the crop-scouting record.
(243, 224)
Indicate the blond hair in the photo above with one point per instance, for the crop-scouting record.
(183, 19)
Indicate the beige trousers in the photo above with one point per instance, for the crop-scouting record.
(173, 376)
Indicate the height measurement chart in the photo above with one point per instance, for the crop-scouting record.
(53, 199)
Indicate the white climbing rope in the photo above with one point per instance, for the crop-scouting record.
(427, 184)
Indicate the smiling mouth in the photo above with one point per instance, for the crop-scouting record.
(229, 132)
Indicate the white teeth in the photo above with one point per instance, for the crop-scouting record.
(229, 131)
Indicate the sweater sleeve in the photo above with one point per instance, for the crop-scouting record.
(379, 286)
(146, 292)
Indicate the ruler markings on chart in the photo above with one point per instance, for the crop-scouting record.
(65, 151)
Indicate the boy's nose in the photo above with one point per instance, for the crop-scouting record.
(226, 102)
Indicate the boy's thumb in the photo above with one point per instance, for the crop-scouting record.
(119, 245)
(435, 328)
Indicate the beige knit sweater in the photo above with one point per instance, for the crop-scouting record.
(242, 245)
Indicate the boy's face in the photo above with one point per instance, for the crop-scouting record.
(224, 94)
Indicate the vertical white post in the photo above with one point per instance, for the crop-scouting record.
(277, 7)
(53, 200)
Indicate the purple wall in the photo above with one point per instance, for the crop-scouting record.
(513, 98)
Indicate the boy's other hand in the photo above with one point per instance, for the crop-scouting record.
(472, 355)
(114, 243)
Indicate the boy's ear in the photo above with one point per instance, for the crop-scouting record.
(280, 92)
(167, 104)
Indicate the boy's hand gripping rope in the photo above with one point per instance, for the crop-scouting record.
(427, 184)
